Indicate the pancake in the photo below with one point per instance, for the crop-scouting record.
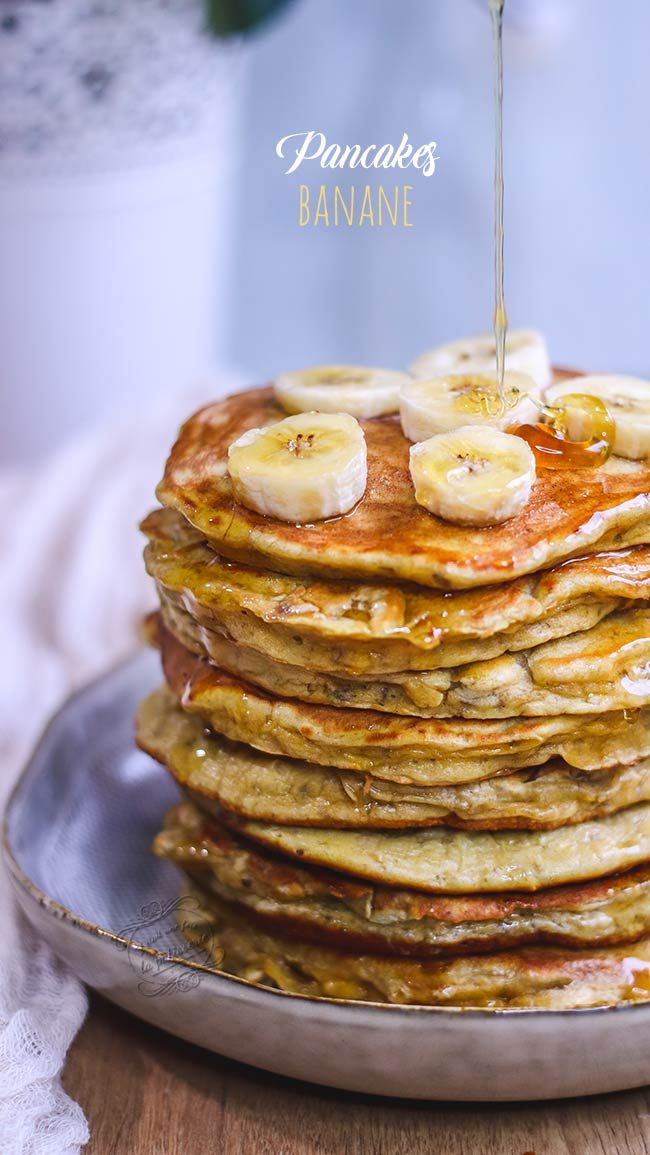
(429, 751)
(548, 978)
(323, 657)
(446, 861)
(222, 775)
(388, 535)
(313, 904)
(601, 669)
(345, 628)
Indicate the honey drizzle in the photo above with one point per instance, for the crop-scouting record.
(558, 445)
(552, 447)
(500, 315)
(550, 442)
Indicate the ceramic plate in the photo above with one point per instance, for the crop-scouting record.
(77, 836)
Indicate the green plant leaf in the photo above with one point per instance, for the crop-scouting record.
(229, 17)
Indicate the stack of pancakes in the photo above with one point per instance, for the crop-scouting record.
(415, 756)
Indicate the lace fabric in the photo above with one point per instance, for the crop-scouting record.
(41, 1009)
(68, 532)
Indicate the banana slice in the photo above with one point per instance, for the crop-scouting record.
(628, 401)
(340, 389)
(446, 403)
(473, 476)
(526, 352)
(301, 469)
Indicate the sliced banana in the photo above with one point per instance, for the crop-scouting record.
(445, 403)
(473, 476)
(340, 389)
(526, 352)
(301, 469)
(628, 401)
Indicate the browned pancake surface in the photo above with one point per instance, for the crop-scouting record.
(221, 775)
(340, 626)
(431, 751)
(570, 512)
(542, 977)
(319, 905)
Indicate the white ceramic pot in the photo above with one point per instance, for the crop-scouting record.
(117, 143)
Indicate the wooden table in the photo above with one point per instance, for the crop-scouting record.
(147, 1094)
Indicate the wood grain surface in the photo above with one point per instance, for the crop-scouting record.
(146, 1093)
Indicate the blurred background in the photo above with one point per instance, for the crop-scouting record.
(149, 245)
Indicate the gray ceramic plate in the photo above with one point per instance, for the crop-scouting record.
(77, 836)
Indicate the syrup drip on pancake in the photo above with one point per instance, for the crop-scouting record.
(554, 442)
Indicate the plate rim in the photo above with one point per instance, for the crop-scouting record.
(35, 893)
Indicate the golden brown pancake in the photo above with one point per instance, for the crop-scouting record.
(404, 739)
(550, 978)
(323, 657)
(388, 535)
(428, 751)
(445, 861)
(317, 905)
(340, 627)
(593, 671)
(223, 775)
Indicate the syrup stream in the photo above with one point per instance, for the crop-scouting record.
(500, 315)
(550, 442)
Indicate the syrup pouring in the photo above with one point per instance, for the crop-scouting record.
(580, 432)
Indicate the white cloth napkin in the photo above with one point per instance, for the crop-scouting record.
(73, 591)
